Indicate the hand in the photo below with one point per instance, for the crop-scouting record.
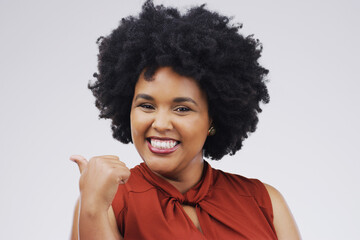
(100, 178)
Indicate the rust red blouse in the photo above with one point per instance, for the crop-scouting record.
(228, 206)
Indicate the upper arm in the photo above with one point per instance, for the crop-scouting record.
(75, 226)
(284, 222)
(112, 221)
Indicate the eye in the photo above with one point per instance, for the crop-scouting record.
(182, 109)
(146, 106)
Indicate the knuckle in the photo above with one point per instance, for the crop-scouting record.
(127, 173)
(115, 157)
(122, 163)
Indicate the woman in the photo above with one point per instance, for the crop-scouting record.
(180, 87)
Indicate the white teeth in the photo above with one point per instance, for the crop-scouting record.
(162, 144)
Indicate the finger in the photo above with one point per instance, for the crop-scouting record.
(124, 176)
(80, 161)
(123, 180)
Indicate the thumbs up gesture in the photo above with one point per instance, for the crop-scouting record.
(100, 178)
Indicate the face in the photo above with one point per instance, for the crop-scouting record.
(169, 123)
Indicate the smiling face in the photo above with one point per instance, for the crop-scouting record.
(169, 123)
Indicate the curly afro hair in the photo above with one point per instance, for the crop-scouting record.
(200, 44)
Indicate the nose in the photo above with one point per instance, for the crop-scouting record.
(162, 121)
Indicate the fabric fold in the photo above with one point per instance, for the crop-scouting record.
(192, 197)
(228, 206)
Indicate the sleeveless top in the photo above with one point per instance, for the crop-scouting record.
(228, 206)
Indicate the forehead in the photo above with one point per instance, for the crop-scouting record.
(168, 84)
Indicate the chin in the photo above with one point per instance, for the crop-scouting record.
(159, 165)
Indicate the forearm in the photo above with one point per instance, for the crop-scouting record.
(94, 225)
(98, 185)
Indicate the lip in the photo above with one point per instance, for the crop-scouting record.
(162, 151)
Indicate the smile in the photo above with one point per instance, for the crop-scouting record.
(162, 145)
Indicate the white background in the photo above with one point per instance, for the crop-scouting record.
(306, 144)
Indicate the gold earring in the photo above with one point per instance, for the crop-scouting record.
(211, 131)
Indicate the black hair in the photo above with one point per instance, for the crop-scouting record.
(200, 44)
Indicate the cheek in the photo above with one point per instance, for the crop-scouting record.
(139, 124)
(194, 131)
(135, 126)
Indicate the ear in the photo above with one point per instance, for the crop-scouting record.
(210, 122)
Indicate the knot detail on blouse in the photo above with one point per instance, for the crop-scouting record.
(227, 206)
(192, 197)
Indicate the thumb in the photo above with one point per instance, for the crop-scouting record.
(80, 161)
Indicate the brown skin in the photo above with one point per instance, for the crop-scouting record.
(99, 181)
(161, 114)
(285, 226)
(157, 112)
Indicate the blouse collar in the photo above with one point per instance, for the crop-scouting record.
(192, 197)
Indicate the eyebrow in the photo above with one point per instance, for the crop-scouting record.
(176, 100)
(144, 96)
(184, 99)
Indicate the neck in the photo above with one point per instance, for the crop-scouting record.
(189, 177)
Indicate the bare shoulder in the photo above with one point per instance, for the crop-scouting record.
(284, 222)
